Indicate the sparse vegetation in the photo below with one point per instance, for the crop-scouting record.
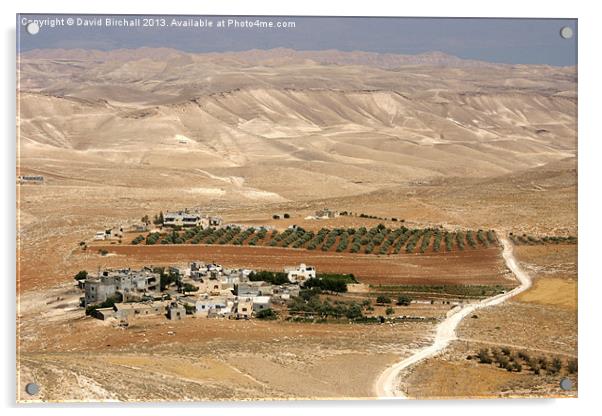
(267, 314)
(526, 239)
(468, 291)
(309, 306)
(506, 358)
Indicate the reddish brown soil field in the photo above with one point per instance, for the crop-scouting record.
(471, 266)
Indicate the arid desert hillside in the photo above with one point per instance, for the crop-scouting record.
(338, 124)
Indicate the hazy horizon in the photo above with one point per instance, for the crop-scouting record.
(509, 41)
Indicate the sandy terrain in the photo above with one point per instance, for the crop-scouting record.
(471, 266)
(541, 321)
(77, 358)
(387, 384)
(431, 139)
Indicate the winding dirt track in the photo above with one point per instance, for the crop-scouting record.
(386, 386)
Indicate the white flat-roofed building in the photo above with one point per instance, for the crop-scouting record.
(300, 274)
(260, 303)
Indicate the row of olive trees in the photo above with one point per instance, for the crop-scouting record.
(510, 360)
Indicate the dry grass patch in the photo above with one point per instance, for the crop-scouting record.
(552, 291)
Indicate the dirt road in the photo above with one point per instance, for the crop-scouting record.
(386, 386)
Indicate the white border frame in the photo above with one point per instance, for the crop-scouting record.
(589, 200)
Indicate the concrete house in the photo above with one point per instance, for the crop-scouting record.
(139, 309)
(186, 218)
(175, 311)
(326, 213)
(104, 313)
(300, 274)
(260, 303)
(244, 308)
(98, 290)
(181, 219)
(208, 306)
(124, 284)
(258, 288)
(285, 292)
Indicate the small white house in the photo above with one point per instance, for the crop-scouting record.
(211, 305)
(100, 235)
(260, 303)
(300, 274)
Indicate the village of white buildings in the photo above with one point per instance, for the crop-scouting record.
(210, 290)
(196, 289)
(199, 289)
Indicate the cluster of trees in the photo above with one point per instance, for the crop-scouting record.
(152, 238)
(157, 220)
(172, 238)
(200, 234)
(138, 240)
(299, 234)
(168, 278)
(373, 217)
(242, 237)
(267, 314)
(378, 239)
(259, 236)
(413, 240)
(356, 244)
(278, 237)
(311, 305)
(402, 300)
(228, 235)
(303, 239)
(510, 360)
(405, 234)
(531, 240)
(275, 278)
(426, 240)
(318, 239)
(471, 291)
(343, 242)
(327, 284)
(330, 239)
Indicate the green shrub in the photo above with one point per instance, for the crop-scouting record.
(484, 356)
(81, 275)
(268, 314)
(404, 300)
(572, 366)
(382, 299)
